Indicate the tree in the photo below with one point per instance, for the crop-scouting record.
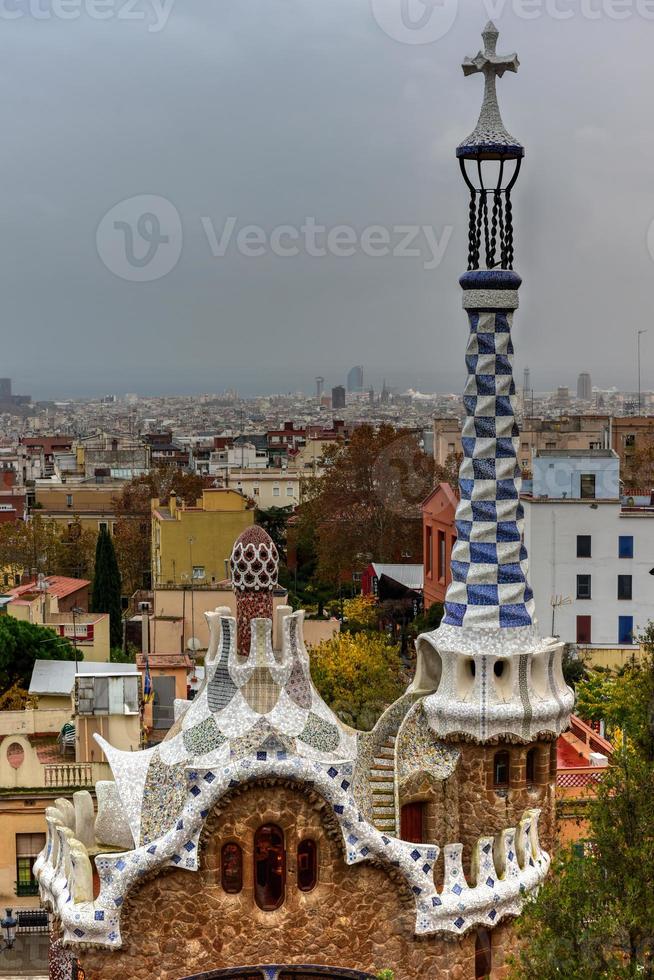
(132, 546)
(106, 596)
(275, 522)
(366, 504)
(77, 552)
(594, 917)
(358, 676)
(21, 644)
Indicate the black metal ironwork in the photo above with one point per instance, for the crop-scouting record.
(490, 217)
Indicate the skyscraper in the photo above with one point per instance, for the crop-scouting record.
(338, 397)
(5, 389)
(355, 378)
(584, 387)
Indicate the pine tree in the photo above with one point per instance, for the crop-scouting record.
(107, 586)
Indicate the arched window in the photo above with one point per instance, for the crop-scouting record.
(307, 865)
(412, 822)
(231, 868)
(530, 768)
(501, 770)
(483, 955)
(269, 867)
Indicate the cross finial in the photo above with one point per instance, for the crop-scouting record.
(490, 133)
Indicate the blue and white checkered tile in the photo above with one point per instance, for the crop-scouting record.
(489, 562)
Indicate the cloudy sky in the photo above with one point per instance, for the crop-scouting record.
(140, 141)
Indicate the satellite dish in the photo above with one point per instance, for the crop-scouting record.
(194, 644)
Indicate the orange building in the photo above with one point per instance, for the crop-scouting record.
(438, 537)
(582, 758)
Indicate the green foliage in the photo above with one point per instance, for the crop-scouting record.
(119, 656)
(21, 644)
(594, 917)
(358, 676)
(385, 975)
(574, 669)
(106, 587)
(275, 522)
(429, 620)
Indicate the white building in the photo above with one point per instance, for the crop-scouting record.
(592, 558)
(246, 456)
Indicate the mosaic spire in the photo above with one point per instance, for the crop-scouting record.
(489, 671)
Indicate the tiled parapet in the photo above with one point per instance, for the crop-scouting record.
(494, 683)
(497, 890)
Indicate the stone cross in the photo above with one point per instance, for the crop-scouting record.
(491, 65)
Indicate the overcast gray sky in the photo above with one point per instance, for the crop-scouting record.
(270, 112)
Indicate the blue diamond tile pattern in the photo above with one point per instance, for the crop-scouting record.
(489, 585)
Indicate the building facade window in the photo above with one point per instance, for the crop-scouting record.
(587, 486)
(483, 955)
(530, 766)
(441, 556)
(583, 586)
(28, 847)
(501, 764)
(269, 867)
(583, 546)
(583, 629)
(626, 629)
(413, 818)
(429, 551)
(307, 865)
(289, 491)
(624, 586)
(626, 546)
(231, 868)
(276, 491)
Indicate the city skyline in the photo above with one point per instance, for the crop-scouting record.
(372, 153)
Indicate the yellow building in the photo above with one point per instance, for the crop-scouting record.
(193, 544)
(92, 504)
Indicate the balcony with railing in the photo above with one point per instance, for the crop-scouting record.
(67, 775)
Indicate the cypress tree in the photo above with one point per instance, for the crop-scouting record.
(106, 586)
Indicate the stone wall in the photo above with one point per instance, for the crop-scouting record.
(181, 923)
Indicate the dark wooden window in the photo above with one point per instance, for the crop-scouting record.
(231, 868)
(587, 486)
(530, 768)
(583, 629)
(584, 587)
(583, 546)
(28, 847)
(501, 764)
(269, 867)
(412, 822)
(483, 955)
(307, 865)
(624, 586)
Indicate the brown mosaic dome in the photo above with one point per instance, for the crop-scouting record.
(254, 562)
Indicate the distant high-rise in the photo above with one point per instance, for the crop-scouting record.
(319, 388)
(355, 378)
(584, 387)
(562, 396)
(5, 389)
(338, 397)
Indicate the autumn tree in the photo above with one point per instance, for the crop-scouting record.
(77, 551)
(358, 676)
(366, 503)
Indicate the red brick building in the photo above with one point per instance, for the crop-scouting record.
(439, 535)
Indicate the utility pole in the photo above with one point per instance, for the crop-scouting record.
(640, 333)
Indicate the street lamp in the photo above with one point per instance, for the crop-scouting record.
(9, 924)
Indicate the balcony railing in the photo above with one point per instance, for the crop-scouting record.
(67, 775)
